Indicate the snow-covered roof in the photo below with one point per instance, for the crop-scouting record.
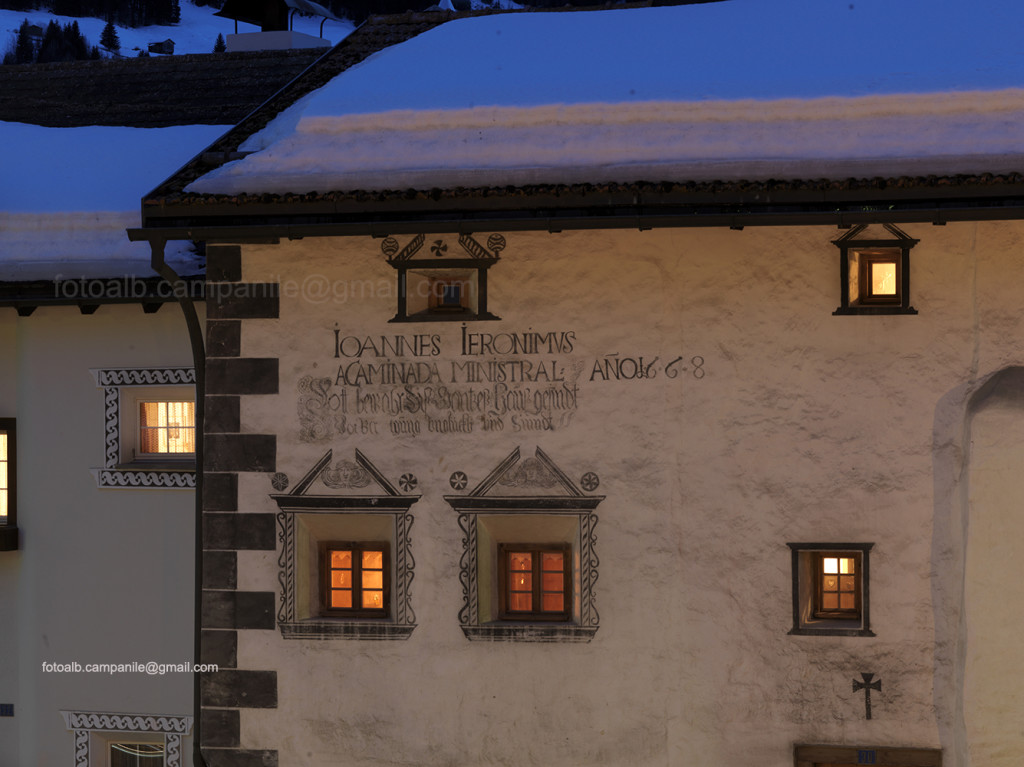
(68, 194)
(736, 89)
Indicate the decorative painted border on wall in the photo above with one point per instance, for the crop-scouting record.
(389, 503)
(173, 728)
(573, 503)
(112, 380)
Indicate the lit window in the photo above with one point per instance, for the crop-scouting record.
(838, 587)
(535, 583)
(136, 754)
(166, 427)
(355, 579)
(830, 589)
(149, 429)
(874, 271)
(8, 477)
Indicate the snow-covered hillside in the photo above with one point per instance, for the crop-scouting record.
(196, 33)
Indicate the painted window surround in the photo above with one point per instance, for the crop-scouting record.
(9, 527)
(116, 473)
(95, 730)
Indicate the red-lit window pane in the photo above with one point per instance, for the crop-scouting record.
(356, 578)
(534, 583)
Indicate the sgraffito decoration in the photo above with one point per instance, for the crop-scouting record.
(525, 489)
(112, 380)
(327, 490)
(173, 728)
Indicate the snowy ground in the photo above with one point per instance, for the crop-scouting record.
(196, 33)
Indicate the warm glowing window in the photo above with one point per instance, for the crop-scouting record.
(356, 578)
(535, 582)
(838, 586)
(830, 589)
(5, 487)
(167, 427)
(878, 278)
(136, 754)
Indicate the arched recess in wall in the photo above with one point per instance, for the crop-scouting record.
(978, 552)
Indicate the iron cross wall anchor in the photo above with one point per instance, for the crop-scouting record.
(867, 686)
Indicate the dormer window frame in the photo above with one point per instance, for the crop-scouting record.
(857, 258)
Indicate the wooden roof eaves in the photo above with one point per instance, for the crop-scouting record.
(554, 208)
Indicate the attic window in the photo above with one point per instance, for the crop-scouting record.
(830, 589)
(439, 280)
(874, 271)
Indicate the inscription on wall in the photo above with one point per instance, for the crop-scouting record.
(411, 384)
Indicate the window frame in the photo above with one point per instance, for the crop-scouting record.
(9, 526)
(468, 269)
(325, 549)
(94, 731)
(856, 257)
(809, 616)
(537, 550)
(123, 389)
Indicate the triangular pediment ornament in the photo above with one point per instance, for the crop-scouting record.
(875, 233)
(438, 251)
(343, 483)
(534, 481)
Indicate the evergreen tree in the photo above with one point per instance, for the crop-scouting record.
(109, 39)
(24, 50)
(52, 46)
(76, 42)
(175, 12)
(220, 46)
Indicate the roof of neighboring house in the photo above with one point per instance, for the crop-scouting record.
(684, 115)
(148, 91)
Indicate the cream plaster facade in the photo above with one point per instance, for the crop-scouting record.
(101, 575)
(759, 419)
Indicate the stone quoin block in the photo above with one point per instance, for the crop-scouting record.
(223, 415)
(242, 300)
(221, 727)
(223, 338)
(240, 452)
(220, 570)
(237, 688)
(239, 532)
(241, 375)
(223, 263)
(238, 609)
(220, 492)
(219, 647)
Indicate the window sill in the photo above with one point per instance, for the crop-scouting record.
(141, 476)
(326, 628)
(529, 632)
(847, 310)
(831, 631)
(8, 538)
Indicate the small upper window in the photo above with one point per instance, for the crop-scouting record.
(830, 589)
(150, 427)
(166, 428)
(356, 579)
(535, 583)
(8, 481)
(441, 280)
(874, 271)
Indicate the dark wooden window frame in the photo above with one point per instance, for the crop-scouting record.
(537, 550)
(820, 611)
(9, 528)
(808, 618)
(869, 251)
(326, 547)
(868, 258)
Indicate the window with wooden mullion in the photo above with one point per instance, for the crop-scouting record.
(166, 428)
(838, 585)
(355, 579)
(6, 471)
(535, 582)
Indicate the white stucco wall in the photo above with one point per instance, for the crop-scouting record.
(102, 576)
(803, 427)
